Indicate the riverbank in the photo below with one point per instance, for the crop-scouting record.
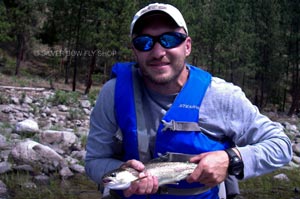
(42, 142)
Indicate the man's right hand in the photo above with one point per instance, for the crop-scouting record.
(146, 185)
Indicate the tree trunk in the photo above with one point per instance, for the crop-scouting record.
(67, 66)
(20, 51)
(295, 103)
(89, 80)
(296, 73)
(77, 46)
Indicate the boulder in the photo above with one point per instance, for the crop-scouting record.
(37, 155)
(64, 140)
(27, 126)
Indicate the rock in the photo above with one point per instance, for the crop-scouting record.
(31, 113)
(28, 185)
(4, 154)
(46, 110)
(3, 143)
(50, 137)
(80, 155)
(292, 165)
(66, 173)
(64, 139)
(71, 160)
(41, 179)
(15, 100)
(37, 155)
(27, 126)
(78, 123)
(62, 108)
(19, 116)
(296, 148)
(7, 109)
(77, 168)
(24, 167)
(296, 159)
(282, 177)
(3, 190)
(53, 115)
(86, 111)
(5, 167)
(27, 100)
(15, 136)
(297, 140)
(85, 104)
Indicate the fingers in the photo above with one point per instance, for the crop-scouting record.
(208, 178)
(196, 175)
(196, 158)
(211, 169)
(135, 164)
(147, 185)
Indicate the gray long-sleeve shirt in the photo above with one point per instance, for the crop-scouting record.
(225, 111)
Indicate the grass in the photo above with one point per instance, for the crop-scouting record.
(4, 99)
(78, 187)
(64, 97)
(268, 188)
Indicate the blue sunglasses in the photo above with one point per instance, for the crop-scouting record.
(167, 40)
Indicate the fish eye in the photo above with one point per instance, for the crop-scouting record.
(113, 174)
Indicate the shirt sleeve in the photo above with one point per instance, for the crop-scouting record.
(262, 143)
(102, 149)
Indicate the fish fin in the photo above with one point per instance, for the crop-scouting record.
(140, 178)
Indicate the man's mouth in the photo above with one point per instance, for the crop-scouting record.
(158, 64)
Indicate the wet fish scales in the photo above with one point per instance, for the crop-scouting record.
(166, 172)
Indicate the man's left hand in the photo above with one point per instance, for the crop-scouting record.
(212, 168)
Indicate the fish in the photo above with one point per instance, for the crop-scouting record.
(166, 173)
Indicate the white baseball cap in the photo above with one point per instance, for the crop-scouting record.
(173, 12)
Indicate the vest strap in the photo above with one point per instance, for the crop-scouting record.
(173, 157)
(180, 126)
(164, 190)
(189, 127)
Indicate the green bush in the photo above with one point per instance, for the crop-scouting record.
(75, 113)
(65, 98)
(92, 96)
(3, 99)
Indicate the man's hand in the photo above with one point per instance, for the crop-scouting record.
(212, 168)
(146, 185)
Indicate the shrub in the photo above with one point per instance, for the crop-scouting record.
(65, 98)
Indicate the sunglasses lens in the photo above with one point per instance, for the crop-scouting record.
(143, 43)
(167, 40)
(171, 40)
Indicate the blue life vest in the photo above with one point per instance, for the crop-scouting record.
(185, 108)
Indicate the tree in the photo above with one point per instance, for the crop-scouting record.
(22, 17)
(5, 26)
(294, 54)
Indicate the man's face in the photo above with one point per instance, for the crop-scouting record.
(160, 65)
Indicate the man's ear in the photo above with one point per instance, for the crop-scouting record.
(188, 46)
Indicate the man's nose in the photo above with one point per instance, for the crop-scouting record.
(158, 51)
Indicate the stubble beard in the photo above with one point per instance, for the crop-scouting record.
(164, 80)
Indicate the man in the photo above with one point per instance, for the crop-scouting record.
(161, 105)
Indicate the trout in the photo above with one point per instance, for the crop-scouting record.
(166, 173)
